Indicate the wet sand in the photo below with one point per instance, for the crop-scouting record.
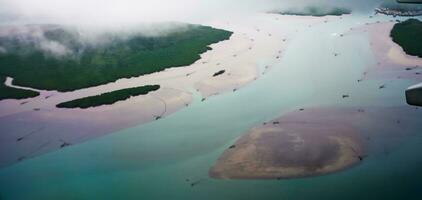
(387, 50)
(392, 61)
(315, 141)
(290, 150)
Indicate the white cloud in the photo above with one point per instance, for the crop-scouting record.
(94, 17)
(54, 48)
(119, 13)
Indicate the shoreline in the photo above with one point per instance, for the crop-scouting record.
(387, 50)
(389, 56)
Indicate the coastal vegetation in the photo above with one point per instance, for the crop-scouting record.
(109, 97)
(316, 11)
(14, 93)
(408, 35)
(70, 64)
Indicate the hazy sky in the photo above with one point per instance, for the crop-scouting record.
(95, 17)
(121, 12)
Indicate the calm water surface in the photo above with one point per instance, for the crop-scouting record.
(153, 161)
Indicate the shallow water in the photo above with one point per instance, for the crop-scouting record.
(153, 161)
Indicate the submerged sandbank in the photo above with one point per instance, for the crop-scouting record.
(282, 150)
(316, 141)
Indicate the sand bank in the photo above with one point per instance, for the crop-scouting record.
(387, 50)
(316, 141)
(391, 60)
(290, 150)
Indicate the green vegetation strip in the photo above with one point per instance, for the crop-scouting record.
(408, 35)
(108, 98)
(93, 65)
(316, 11)
(13, 93)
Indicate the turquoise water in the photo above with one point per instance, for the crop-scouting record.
(153, 161)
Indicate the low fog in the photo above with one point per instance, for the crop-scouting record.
(91, 18)
(121, 13)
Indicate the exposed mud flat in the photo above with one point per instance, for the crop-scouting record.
(290, 150)
(315, 141)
